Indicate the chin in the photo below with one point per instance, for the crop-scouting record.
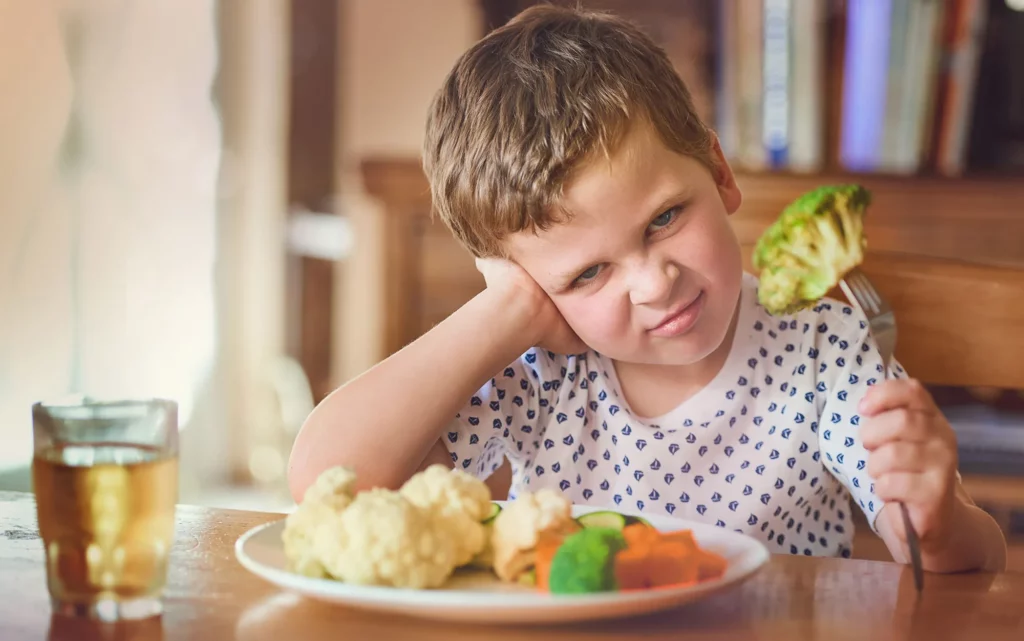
(664, 355)
(679, 351)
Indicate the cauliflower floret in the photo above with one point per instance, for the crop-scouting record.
(414, 538)
(327, 497)
(518, 527)
(299, 533)
(484, 559)
(449, 492)
(335, 486)
(457, 501)
(383, 539)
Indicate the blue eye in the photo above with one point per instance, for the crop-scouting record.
(664, 219)
(590, 274)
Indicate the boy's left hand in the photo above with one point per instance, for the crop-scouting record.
(912, 457)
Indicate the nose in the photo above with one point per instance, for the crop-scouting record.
(651, 281)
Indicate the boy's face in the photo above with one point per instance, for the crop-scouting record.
(648, 268)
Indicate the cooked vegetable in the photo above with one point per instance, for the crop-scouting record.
(602, 519)
(484, 560)
(547, 545)
(383, 539)
(330, 494)
(607, 518)
(655, 559)
(413, 538)
(441, 520)
(528, 578)
(816, 240)
(493, 514)
(518, 528)
(585, 562)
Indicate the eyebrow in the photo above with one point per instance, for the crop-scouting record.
(680, 197)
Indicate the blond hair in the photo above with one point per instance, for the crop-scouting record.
(531, 103)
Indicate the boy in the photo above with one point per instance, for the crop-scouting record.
(618, 352)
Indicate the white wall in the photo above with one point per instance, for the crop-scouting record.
(35, 106)
(106, 252)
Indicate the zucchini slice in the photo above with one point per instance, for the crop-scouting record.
(604, 518)
(607, 518)
(493, 514)
(528, 578)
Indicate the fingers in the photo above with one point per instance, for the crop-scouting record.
(909, 487)
(903, 456)
(925, 495)
(896, 394)
(899, 456)
(896, 425)
(492, 268)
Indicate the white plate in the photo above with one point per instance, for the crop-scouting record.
(480, 597)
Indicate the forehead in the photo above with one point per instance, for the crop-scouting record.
(607, 199)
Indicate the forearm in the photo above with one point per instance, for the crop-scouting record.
(383, 423)
(974, 542)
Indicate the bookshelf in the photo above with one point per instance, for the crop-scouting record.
(899, 87)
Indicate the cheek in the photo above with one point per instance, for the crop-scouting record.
(595, 319)
(712, 250)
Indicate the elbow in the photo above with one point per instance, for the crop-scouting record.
(308, 460)
(309, 457)
(304, 465)
(298, 474)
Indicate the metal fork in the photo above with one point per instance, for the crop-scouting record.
(882, 322)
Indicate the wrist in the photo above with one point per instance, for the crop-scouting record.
(977, 530)
(971, 541)
(505, 325)
(511, 315)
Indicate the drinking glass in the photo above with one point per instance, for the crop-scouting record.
(105, 476)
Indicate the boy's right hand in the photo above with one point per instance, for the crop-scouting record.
(547, 325)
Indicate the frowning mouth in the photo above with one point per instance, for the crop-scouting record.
(680, 320)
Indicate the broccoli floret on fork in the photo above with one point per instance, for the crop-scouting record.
(816, 240)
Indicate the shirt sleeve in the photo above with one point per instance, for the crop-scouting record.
(505, 416)
(851, 353)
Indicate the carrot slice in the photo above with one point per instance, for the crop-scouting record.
(655, 559)
(632, 570)
(640, 535)
(547, 544)
(712, 566)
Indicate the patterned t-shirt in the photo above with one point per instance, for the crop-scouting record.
(768, 448)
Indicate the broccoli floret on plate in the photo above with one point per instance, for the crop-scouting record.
(585, 562)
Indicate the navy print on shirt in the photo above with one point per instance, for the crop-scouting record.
(745, 453)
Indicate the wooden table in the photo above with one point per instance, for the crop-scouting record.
(210, 596)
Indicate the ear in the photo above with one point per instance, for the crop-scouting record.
(728, 189)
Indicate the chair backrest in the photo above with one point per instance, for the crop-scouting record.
(947, 254)
(958, 324)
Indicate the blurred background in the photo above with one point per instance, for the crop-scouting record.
(221, 201)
